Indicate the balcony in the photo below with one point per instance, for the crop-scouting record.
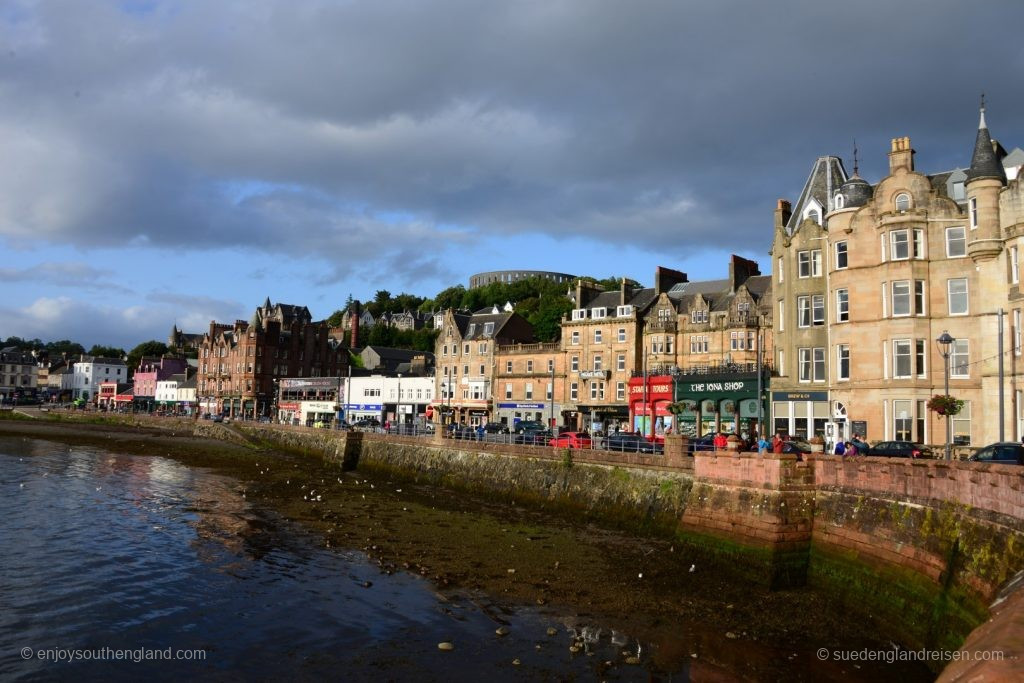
(661, 326)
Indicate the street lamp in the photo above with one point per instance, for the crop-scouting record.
(945, 341)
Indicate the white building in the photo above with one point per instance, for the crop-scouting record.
(389, 399)
(90, 371)
(177, 392)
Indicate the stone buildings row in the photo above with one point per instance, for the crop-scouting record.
(866, 278)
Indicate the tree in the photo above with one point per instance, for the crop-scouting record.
(149, 348)
(106, 351)
(64, 346)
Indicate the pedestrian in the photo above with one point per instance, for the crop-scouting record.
(777, 443)
(850, 450)
(840, 448)
(763, 445)
(720, 442)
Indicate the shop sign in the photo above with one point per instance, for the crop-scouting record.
(287, 406)
(318, 406)
(799, 395)
(310, 383)
(528, 406)
(595, 374)
(712, 387)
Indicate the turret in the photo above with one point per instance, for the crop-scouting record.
(985, 180)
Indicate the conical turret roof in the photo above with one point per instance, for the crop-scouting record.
(986, 162)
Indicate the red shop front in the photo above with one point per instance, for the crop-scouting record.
(648, 410)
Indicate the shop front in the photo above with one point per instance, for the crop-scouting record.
(512, 413)
(362, 411)
(649, 403)
(707, 404)
(801, 414)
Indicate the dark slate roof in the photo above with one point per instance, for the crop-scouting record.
(825, 179)
(856, 192)
(758, 285)
(101, 360)
(985, 163)
(701, 287)
(478, 320)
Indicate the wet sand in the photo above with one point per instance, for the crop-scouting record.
(490, 550)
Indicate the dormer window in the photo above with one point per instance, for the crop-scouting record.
(598, 312)
(624, 311)
(698, 315)
(814, 216)
(902, 202)
(579, 314)
(488, 329)
(471, 330)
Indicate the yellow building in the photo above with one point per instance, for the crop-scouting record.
(868, 277)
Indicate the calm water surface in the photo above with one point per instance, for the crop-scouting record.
(106, 552)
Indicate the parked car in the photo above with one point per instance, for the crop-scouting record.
(702, 443)
(495, 428)
(899, 449)
(528, 425)
(367, 422)
(1004, 453)
(571, 440)
(533, 437)
(632, 443)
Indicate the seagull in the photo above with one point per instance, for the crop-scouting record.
(692, 567)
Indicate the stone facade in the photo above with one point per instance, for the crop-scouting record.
(239, 363)
(867, 279)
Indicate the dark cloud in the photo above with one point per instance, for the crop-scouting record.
(347, 132)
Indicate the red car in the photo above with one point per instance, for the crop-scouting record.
(571, 440)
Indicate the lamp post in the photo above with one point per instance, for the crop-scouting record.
(945, 341)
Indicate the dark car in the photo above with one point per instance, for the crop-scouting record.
(533, 437)
(495, 428)
(1003, 453)
(528, 425)
(702, 443)
(898, 449)
(630, 443)
(367, 422)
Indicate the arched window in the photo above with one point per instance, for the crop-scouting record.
(814, 216)
(839, 200)
(902, 201)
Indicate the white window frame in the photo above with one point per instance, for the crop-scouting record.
(902, 198)
(895, 244)
(920, 298)
(960, 358)
(819, 370)
(842, 305)
(909, 298)
(818, 310)
(951, 240)
(950, 294)
(624, 311)
(782, 315)
(620, 362)
(597, 336)
(902, 351)
(1017, 333)
(574, 338)
(574, 363)
(598, 313)
(972, 212)
(782, 270)
(574, 391)
(1013, 255)
(842, 355)
(579, 314)
(842, 249)
(622, 334)
(803, 312)
(921, 358)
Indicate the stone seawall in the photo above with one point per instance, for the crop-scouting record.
(614, 488)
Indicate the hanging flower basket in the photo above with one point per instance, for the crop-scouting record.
(944, 404)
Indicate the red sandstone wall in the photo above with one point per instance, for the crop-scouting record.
(998, 488)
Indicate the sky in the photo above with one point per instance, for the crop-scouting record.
(173, 163)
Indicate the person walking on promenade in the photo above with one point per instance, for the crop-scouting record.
(763, 445)
(777, 443)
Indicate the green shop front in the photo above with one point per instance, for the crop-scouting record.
(705, 404)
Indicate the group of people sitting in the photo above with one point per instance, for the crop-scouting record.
(854, 447)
